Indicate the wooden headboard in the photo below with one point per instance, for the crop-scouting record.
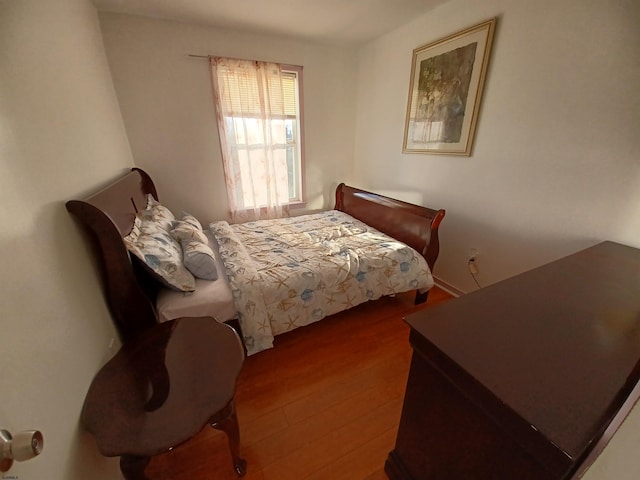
(107, 216)
(414, 225)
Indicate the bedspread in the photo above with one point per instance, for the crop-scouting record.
(291, 272)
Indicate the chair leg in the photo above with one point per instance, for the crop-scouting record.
(132, 468)
(228, 423)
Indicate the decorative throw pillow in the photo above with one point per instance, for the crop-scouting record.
(199, 260)
(186, 232)
(158, 213)
(160, 253)
(187, 217)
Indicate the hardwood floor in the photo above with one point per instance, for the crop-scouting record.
(324, 404)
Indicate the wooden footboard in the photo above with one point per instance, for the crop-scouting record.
(414, 225)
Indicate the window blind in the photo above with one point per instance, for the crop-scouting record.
(241, 93)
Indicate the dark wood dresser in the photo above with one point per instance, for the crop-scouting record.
(525, 379)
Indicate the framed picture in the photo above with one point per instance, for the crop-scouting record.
(447, 78)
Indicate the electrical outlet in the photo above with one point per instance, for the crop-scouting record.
(473, 266)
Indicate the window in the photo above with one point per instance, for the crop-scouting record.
(260, 123)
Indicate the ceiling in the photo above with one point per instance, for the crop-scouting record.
(344, 22)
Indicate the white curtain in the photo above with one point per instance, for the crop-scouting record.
(250, 111)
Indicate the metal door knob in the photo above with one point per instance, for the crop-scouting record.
(21, 446)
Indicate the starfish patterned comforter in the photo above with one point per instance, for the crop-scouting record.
(291, 272)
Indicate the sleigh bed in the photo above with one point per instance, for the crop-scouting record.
(281, 285)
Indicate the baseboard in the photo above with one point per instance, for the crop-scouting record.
(448, 287)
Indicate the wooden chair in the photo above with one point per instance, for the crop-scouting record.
(161, 389)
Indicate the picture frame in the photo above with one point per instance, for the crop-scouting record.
(445, 91)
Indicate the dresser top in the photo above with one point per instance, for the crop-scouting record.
(558, 345)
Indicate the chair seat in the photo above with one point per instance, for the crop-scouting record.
(161, 389)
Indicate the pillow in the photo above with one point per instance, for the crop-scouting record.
(160, 253)
(186, 232)
(187, 217)
(199, 259)
(158, 213)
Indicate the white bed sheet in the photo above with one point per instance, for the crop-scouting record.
(210, 299)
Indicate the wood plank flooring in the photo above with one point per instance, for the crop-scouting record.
(324, 404)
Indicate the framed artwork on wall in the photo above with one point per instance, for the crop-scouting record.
(447, 79)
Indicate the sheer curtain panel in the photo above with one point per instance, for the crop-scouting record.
(250, 110)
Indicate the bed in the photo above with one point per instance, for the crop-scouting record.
(137, 298)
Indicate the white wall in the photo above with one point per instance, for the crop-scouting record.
(167, 106)
(556, 163)
(60, 134)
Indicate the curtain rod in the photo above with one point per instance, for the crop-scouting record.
(243, 59)
(221, 56)
(214, 56)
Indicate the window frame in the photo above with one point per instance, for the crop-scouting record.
(300, 201)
